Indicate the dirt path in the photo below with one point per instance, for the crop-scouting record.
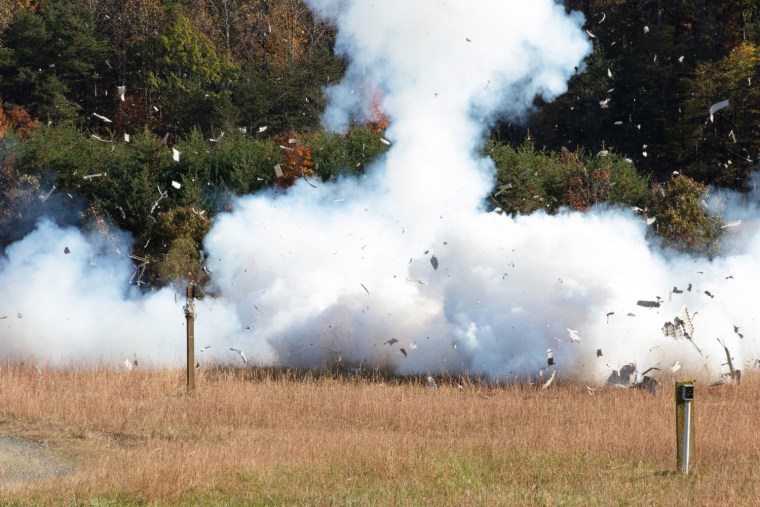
(23, 461)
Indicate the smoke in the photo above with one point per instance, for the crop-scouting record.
(403, 269)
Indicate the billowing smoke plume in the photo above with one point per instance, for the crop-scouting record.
(402, 269)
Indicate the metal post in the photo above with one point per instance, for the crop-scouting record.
(190, 316)
(684, 425)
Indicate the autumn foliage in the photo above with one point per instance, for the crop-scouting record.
(298, 160)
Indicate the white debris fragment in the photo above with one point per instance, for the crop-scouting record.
(242, 354)
(101, 117)
(431, 382)
(591, 34)
(731, 224)
(278, 171)
(121, 91)
(126, 138)
(609, 73)
(175, 154)
(574, 337)
(603, 153)
(262, 129)
(646, 29)
(680, 59)
(176, 184)
(676, 366)
(717, 107)
(551, 379)
(385, 141)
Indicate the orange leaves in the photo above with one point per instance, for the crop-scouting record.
(3, 124)
(19, 120)
(378, 120)
(298, 160)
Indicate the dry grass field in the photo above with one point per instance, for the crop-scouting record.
(278, 437)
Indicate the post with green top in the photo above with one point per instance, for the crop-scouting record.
(684, 425)
(190, 316)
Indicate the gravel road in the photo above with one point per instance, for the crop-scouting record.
(23, 461)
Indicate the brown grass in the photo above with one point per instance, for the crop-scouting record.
(277, 437)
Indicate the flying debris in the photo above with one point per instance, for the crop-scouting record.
(648, 383)
(403, 351)
(385, 141)
(680, 59)
(551, 379)
(676, 366)
(262, 129)
(434, 262)
(101, 117)
(242, 354)
(591, 34)
(736, 375)
(731, 224)
(176, 184)
(549, 357)
(676, 290)
(646, 29)
(574, 335)
(609, 314)
(121, 91)
(126, 138)
(502, 188)
(681, 327)
(648, 304)
(278, 171)
(67, 251)
(598, 352)
(92, 176)
(431, 382)
(622, 378)
(216, 140)
(736, 330)
(391, 341)
(127, 365)
(175, 154)
(604, 16)
(364, 287)
(710, 294)
(609, 73)
(717, 107)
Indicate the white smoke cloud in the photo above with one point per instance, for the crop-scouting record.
(402, 269)
(78, 307)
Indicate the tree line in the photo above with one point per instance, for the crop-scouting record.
(151, 115)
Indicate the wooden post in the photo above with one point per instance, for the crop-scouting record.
(190, 316)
